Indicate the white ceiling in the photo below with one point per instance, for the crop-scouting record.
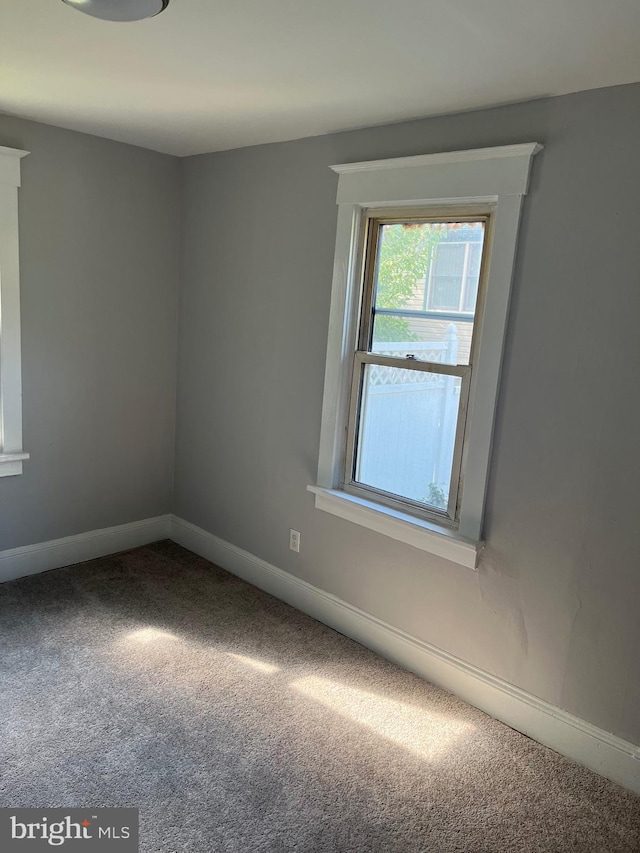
(207, 75)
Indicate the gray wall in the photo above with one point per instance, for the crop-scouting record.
(554, 607)
(98, 250)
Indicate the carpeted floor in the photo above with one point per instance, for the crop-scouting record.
(235, 723)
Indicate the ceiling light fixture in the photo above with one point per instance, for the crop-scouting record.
(119, 10)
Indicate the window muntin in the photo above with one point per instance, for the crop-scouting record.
(413, 363)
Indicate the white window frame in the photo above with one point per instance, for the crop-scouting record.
(494, 177)
(11, 451)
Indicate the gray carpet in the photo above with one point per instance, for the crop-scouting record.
(156, 680)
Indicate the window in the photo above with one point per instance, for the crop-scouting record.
(411, 377)
(424, 257)
(11, 453)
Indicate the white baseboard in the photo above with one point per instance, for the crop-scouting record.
(31, 559)
(577, 739)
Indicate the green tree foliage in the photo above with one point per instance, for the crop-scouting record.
(437, 496)
(406, 250)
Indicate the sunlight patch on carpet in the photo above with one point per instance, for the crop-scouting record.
(152, 635)
(423, 732)
(254, 663)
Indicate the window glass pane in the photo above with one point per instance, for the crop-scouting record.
(406, 433)
(425, 289)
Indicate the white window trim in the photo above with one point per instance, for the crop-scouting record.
(494, 176)
(11, 452)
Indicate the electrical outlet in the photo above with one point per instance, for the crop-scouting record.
(294, 540)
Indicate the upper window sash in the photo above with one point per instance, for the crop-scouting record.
(373, 220)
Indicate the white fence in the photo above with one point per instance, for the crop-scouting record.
(408, 424)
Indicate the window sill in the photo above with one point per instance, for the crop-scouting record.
(11, 463)
(425, 535)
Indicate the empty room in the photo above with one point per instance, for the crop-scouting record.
(319, 426)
